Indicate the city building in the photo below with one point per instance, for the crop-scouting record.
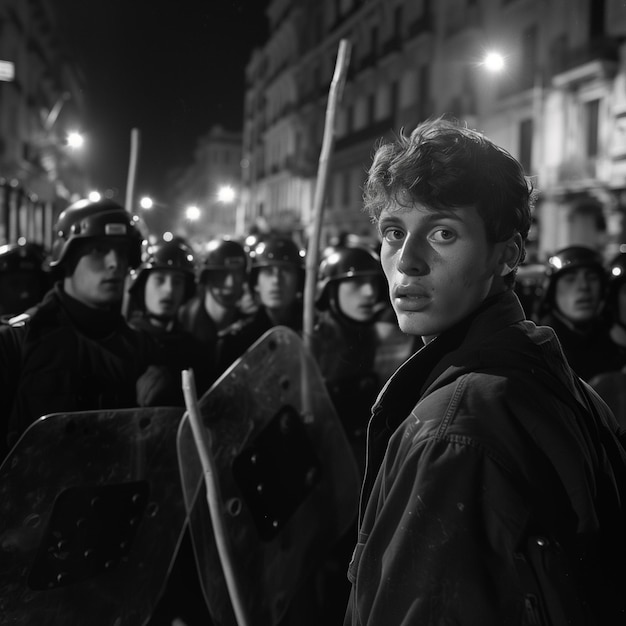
(558, 104)
(212, 183)
(40, 102)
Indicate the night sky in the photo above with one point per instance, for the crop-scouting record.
(171, 69)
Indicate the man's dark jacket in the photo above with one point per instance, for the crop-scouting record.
(64, 356)
(493, 485)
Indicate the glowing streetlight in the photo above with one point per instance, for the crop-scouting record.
(146, 203)
(226, 194)
(494, 61)
(192, 213)
(75, 140)
(94, 196)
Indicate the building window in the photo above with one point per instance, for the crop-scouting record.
(393, 98)
(349, 119)
(592, 117)
(371, 108)
(345, 188)
(526, 144)
(397, 23)
(529, 57)
(374, 40)
(423, 91)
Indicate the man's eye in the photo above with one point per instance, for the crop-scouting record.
(443, 235)
(392, 234)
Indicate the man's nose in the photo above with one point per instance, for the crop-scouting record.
(410, 258)
(114, 258)
(367, 288)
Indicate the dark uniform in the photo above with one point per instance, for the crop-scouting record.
(235, 340)
(63, 355)
(224, 257)
(182, 597)
(587, 346)
(181, 350)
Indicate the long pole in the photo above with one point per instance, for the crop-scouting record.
(312, 255)
(214, 501)
(132, 169)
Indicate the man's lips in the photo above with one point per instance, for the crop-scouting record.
(114, 282)
(410, 297)
(584, 302)
(410, 291)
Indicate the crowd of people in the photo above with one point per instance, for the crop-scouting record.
(109, 321)
(470, 405)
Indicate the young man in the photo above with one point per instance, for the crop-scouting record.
(162, 283)
(345, 340)
(573, 305)
(494, 475)
(220, 290)
(276, 278)
(74, 350)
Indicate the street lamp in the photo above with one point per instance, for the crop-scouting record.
(146, 203)
(75, 140)
(493, 61)
(226, 194)
(192, 213)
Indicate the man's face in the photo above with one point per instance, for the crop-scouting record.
(578, 294)
(164, 293)
(277, 286)
(225, 286)
(98, 278)
(439, 266)
(358, 296)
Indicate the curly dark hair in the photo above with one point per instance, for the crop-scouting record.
(443, 164)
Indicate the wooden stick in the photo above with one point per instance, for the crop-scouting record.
(312, 255)
(203, 445)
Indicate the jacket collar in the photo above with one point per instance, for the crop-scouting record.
(427, 364)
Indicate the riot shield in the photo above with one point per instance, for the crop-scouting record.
(287, 478)
(91, 517)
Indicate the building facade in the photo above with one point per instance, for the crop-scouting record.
(216, 168)
(40, 100)
(558, 104)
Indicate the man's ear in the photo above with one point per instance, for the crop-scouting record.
(511, 255)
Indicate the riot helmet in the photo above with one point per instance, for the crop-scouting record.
(104, 219)
(224, 255)
(23, 281)
(276, 251)
(174, 255)
(564, 261)
(345, 263)
(16, 257)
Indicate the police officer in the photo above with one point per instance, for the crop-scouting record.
(350, 291)
(163, 282)
(74, 351)
(345, 341)
(23, 281)
(572, 305)
(611, 385)
(277, 279)
(220, 289)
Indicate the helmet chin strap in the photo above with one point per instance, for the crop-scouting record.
(164, 321)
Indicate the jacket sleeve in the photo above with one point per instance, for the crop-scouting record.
(440, 551)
